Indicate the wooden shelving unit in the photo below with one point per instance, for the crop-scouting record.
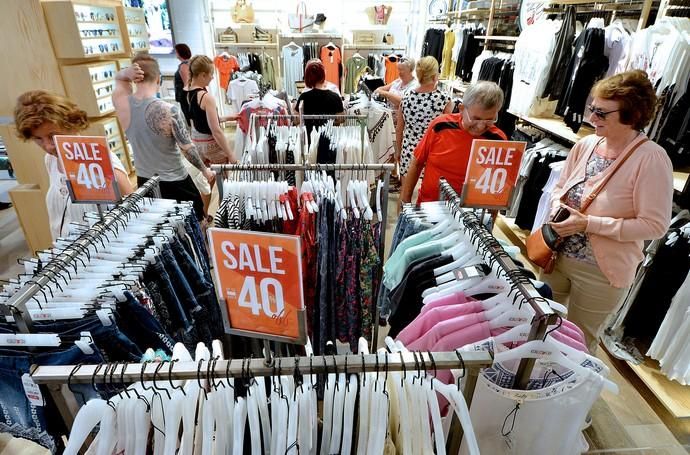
(99, 77)
(110, 128)
(673, 395)
(82, 31)
(133, 26)
(556, 127)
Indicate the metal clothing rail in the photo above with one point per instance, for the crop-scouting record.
(16, 305)
(221, 169)
(485, 241)
(58, 379)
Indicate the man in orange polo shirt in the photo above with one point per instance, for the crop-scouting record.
(444, 151)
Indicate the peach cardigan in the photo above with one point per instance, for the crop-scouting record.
(634, 206)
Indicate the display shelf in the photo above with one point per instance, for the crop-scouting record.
(497, 38)
(673, 395)
(67, 21)
(556, 127)
(254, 44)
(383, 47)
(513, 232)
(133, 22)
(680, 177)
(94, 76)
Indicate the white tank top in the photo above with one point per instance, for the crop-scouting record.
(61, 211)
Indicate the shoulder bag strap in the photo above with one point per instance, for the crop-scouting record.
(619, 162)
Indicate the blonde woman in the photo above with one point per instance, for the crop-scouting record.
(417, 109)
(39, 116)
(207, 134)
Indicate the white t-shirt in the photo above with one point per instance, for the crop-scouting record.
(61, 211)
(240, 91)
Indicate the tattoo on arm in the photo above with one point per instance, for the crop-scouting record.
(184, 140)
(192, 155)
(159, 118)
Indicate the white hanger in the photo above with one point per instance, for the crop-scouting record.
(548, 351)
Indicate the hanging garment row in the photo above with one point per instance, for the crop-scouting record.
(539, 173)
(200, 403)
(142, 284)
(455, 296)
(661, 277)
(379, 126)
(329, 214)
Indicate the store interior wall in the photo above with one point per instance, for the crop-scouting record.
(342, 16)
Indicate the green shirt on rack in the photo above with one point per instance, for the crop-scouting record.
(354, 67)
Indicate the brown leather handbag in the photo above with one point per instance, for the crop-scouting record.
(542, 245)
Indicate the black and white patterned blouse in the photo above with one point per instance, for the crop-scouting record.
(418, 110)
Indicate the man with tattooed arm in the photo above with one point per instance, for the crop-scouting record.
(157, 132)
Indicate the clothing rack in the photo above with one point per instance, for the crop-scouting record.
(221, 169)
(16, 305)
(58, 379)
(544, 314)
(298, 119)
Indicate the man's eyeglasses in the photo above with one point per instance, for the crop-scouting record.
(599, 113)
(485, 122)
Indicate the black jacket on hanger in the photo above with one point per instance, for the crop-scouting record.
(561, 57)
(587, 65)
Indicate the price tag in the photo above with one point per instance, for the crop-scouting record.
(468, 272)
(259, 276)
(31, 390)
(89, 171)
(492, 174)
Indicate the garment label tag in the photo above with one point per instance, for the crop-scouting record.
(31, 390)
(468, 272)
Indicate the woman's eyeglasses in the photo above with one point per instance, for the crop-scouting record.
(600, 113)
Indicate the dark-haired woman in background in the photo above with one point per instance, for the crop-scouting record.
(183, 54)
(318, 100)
(603, 246)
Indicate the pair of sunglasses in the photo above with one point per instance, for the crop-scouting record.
(600, 113)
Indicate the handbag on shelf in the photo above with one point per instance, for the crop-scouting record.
(388, 38)
(261, 35)
(228, 36)
(300, 21)
(542, 245)
(243, 12)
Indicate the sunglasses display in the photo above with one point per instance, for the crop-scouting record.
(92, 33)
(102, 75)
(102, 91)
(94, 16)
(101, 48)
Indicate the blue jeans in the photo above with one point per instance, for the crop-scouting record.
(20, 417)
(110, 341)
(158, 274)
(141, 327)
(208, 320)
(179, 281)
(194, 231)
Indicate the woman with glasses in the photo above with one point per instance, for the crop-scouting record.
(601, 247)
(419, 107)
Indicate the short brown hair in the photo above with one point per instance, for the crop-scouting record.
(39, 106)
(635, 96)
(149, 65)
(314, 73)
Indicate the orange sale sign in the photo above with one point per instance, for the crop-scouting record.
(89, 171)
(259, 276)
(492, 173)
